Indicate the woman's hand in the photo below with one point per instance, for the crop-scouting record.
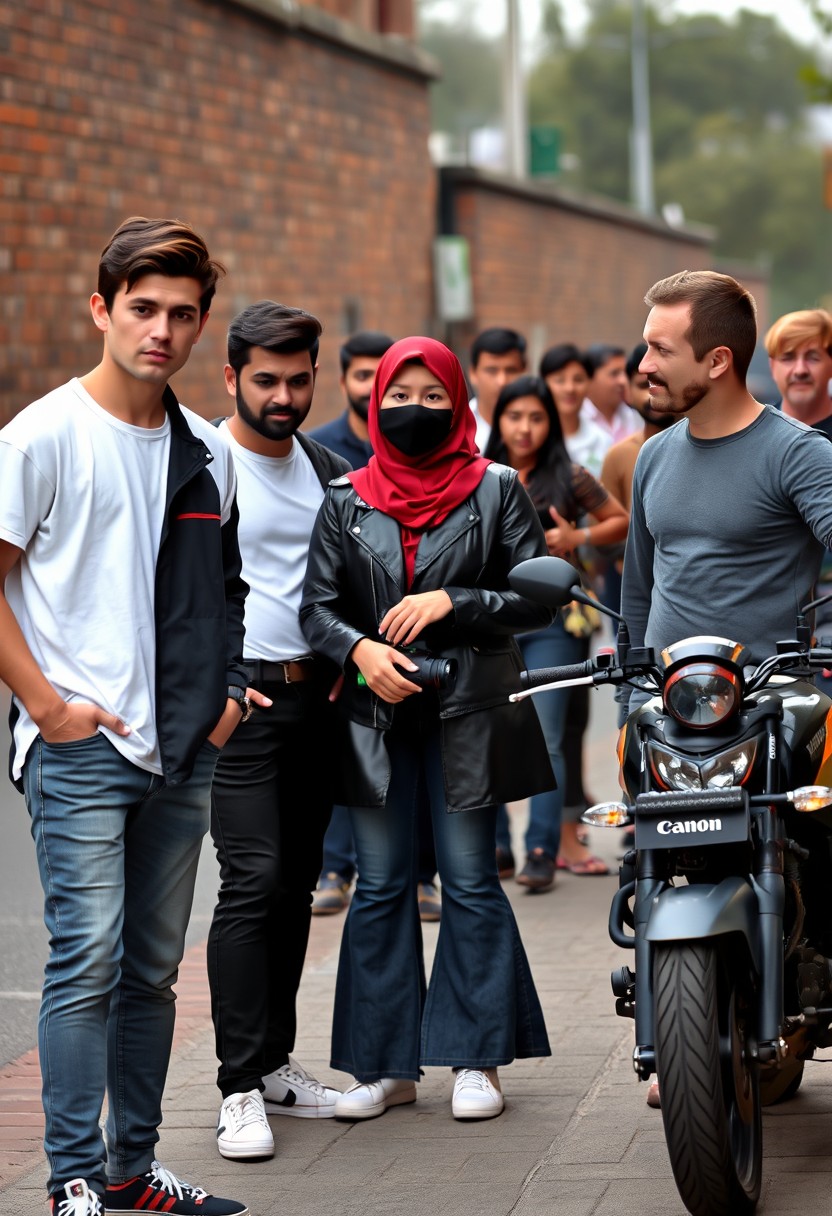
(377, 664)
(562, 539)
(406, 620)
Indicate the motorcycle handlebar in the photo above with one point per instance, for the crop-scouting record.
(550, 675)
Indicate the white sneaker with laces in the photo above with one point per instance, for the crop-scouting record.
(242, 1129)
(76, 1199)
(475, 1097)
(369, 1099)
(290, 1090)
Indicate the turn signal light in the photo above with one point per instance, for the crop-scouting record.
(810, 797)
(608, 815)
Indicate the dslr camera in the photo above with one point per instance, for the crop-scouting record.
(432, 672)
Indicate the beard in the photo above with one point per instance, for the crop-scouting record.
(268, 424)
(678, 403)
(655, 418)
(360, 406)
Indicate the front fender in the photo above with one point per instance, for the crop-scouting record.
(699, 911)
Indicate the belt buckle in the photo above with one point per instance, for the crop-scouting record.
(287, 678)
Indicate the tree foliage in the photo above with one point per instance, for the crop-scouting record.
(728, 111)
(730, 141)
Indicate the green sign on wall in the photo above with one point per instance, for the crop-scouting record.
(544, 151)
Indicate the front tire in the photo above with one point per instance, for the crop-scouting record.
(709, 1086)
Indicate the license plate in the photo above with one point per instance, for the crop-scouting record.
(677, 820)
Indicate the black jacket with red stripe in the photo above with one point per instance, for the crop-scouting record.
(199, 603)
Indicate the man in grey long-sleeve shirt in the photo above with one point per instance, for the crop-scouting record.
(732, 508)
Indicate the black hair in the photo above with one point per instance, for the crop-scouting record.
(366, 344)
(558, 357)
(600, 353)
(551, 479)
(497, 341)
(634, 359)
(275, 327)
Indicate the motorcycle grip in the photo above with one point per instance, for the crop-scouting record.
(548, 675)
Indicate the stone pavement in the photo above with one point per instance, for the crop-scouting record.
(576, 1137)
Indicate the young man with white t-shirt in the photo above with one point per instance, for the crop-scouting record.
(121, 630)
(271, 801)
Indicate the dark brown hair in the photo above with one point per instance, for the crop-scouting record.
(722, 313)
(275, 327)
(141, 246)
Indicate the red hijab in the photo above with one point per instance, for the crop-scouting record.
(420, 491)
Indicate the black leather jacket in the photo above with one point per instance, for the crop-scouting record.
(493, 750)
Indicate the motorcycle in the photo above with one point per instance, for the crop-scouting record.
(725, 897)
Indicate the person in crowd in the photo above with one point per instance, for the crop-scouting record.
(411, 555)
(606, 394)
(348, 436)
(271, 796)
(620, 461)
(799, 347)
(121, 629)
(497, 356)
(567, 374)
(527, 436)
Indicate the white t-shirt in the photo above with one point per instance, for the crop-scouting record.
(278, 499)
(483, 427)
(589, 445)
(83, 495)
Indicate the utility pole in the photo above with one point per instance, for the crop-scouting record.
(514, 95)
(641, 136)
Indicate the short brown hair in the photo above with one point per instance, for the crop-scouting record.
(722, 313)
(794, 328)
(141, 246)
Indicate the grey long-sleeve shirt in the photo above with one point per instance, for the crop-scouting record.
(727, 535)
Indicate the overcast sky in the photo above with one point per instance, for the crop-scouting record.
(792, 14)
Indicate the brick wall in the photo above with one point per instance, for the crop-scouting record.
(560, 269)
(303, 163)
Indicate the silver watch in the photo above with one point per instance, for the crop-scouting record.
(245, 703)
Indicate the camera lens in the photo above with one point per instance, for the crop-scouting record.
(431, 673)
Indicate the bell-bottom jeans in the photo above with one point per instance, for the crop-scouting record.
(480, 1009)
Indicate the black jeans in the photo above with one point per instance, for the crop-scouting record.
(270, 807)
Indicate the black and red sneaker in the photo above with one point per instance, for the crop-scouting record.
(161, 1191)
(76, 1199)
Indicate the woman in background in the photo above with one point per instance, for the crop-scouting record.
(526, 434)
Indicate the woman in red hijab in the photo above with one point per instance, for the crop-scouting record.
(409, 562)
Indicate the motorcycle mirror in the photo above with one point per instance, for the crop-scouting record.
(553, 582)
(608, 815)
(810, 797)
(546, 580)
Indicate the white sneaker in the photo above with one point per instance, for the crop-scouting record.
(474, 1095)
(290, 1090)
(243, 1129)
(366, 1101)
(76, 1199)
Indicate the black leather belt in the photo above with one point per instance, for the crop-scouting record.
(294, 671)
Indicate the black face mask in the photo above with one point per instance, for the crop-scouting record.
(415, 429)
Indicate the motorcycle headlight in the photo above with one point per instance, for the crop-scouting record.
(730, 768)
(672, 771)
(700, 695)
